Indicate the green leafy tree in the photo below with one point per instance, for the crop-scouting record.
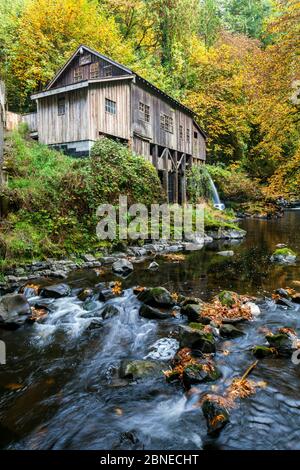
(210, 21)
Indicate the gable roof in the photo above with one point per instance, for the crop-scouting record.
(126, 71)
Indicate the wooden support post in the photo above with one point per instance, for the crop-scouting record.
(175, 176)
(155, 155)
(183, 185)
(166, 172)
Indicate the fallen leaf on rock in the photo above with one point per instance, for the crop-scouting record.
(13, 386)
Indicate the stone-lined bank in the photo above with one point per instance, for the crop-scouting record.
(60, 269)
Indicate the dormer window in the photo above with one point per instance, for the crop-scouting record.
(107, 71)
(78, 74)
(94, 70)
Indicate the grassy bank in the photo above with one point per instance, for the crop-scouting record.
(51, 199)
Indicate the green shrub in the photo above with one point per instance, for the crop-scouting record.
(199, 184)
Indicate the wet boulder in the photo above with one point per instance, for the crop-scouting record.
(139, 369)
(109, 311)
(106, 294)
(56, 291)
(263, 351)
(153, 313)
(200, 373)
(285, 343)
(195, 337)
(284, 256)
(216, 414)
(14, 311)
(122, 267)
(193, 312)
(156, 297)
(129, 441)
(85, 294)
(230, 331)
(153, 266)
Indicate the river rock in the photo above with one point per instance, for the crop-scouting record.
(216, 414)
(230, 331)
(109, 311)
(56, 291)
(230, 234)
(14, 311)
(146, 311)
(122, 267)
(226, 253)
(193, 311)
(283, 293)
(284, 343)
(263, 351)
(138, 369)
(254, 309)
(85, 294)
(88, 258)
(153, 266)
(227, 298)
(284, 256)
(163, 349)
(200, 373)
(106, 294)
(156, 297)
(285, 302)
(196, 338)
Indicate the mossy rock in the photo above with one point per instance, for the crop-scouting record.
(192, 311)
(198, 373)
(196, 339)
(138, 369)
(282, 342)
(156, 297)
(262, 351)
(230, 331)
(227, 298)
(284, 255)
(216, 415)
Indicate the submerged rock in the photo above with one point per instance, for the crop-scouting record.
(156, 297)
(14, 311)
(56, 291)
(230, 331)
(109, 311)
(146, 311)
(196, 338)
(216, 414)
(122, 267)
(138, 369)
(263, 351)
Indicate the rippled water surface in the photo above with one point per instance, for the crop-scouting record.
(58, 389)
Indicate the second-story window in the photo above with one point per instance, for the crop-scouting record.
(94, 70)
(195, 135)
(181, 132)
(188, 135)
(61, 105)
(144, 110)
(110, 106)
(167, 123)
(107, 71)
(78, 74)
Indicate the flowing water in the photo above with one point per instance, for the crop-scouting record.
(59, 388)
(215, 195)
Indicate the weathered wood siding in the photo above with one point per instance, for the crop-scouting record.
(67, 76)
(152, 130)
(102, 122)
(73, 126)
(199, 144)
(31, 121)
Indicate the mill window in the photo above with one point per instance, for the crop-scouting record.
(61, 105)
(94, 70)
(144, 110)
(107, 71)
(110, 106)
(167, 123)
(181, 132)
(78, 74)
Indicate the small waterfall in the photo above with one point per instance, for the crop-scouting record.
(215, 196)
